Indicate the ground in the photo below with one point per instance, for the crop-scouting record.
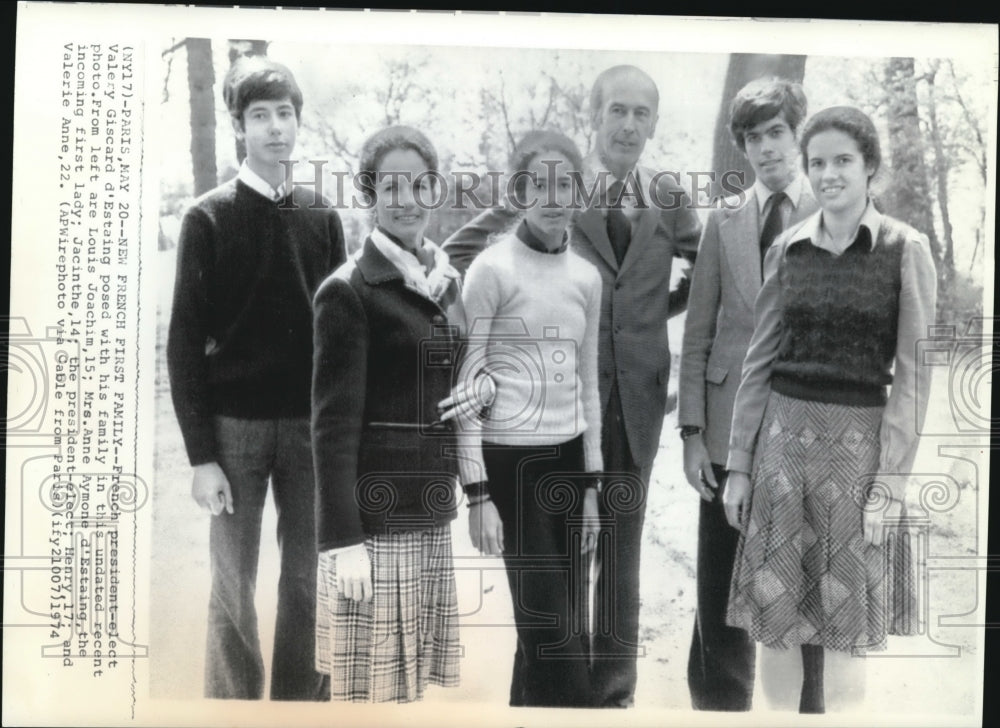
(936, 673)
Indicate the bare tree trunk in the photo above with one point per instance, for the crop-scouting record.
(941, 168)
(201, 80)
(907, 196)
(743, 68)
(237, 49)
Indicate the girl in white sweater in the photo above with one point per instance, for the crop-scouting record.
(531, 471)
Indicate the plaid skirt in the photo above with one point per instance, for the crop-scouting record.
(803, 572)
(406, 636)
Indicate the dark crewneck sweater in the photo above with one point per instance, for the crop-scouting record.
(240, 340)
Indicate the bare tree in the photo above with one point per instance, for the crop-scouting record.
(907, 196)
(941, 167)
(553, 101)
(201, 82)
(973, 141)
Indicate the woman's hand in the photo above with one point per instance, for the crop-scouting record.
(470, 399)
(736, 499)
(354, 573)
(486, 528)
(878, 517)
(591, 521)
(698, 467)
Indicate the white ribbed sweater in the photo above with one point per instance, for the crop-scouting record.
(533, 321)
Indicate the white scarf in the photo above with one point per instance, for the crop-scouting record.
(433, 284)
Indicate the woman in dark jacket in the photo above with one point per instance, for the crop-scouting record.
(387, 327)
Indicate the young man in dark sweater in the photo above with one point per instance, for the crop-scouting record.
(251, 255)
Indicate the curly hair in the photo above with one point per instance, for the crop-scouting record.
(764, 99)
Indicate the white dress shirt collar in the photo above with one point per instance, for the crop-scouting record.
(258, 184)
(812, 230)
(793, 190)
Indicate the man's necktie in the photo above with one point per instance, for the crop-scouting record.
(619, 228)
(772, 225)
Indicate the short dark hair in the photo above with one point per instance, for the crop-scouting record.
(258, 78)
(534, 143)
(763, 99)
(851, 121)
(382, 142)
(615, 74)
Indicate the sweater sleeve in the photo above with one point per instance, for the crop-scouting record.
(187, 339)
(907, 404)
(340, 364)
(481, 299)
(593, 459)
(755, 384)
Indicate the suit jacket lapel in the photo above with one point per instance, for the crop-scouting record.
(592, 224)
(740, 233)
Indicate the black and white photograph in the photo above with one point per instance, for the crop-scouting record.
(377, 368)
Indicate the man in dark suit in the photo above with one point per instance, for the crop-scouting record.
(636, 222)
(764, 120)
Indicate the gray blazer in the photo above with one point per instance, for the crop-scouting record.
(720, 321)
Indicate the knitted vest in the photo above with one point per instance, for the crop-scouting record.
(840, 316)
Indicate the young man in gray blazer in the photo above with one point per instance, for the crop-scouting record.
(765, 117)
(630, 232)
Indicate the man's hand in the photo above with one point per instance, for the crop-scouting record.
(210, 489)
(736, 499)
(469, 399)
(486, 528)
(354, 573)
(698, 467)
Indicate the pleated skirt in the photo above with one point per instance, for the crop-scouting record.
(803, 572)
(406, 637)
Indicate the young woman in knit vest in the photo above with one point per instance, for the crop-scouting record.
(817, 444)
(533, 307)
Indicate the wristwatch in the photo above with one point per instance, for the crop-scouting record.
(689, 431)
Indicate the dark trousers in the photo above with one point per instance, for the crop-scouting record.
(252, 452)
(721, 661)
(615, 641)
(539, 499)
